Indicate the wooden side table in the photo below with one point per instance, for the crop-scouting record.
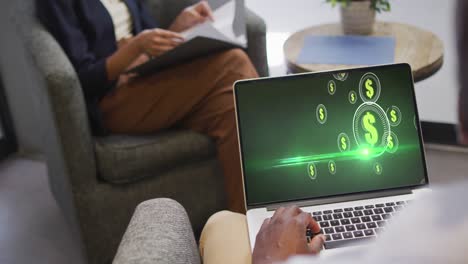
(421, 49)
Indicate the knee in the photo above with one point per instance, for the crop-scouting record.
(224, 220)
(237, 55)
(237, 59)
(224, 217)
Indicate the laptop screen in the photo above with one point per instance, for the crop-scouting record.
(326, 134)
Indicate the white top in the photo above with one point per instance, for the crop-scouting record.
(432, 230)
(121, 17)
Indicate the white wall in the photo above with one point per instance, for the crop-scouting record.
(436, 96)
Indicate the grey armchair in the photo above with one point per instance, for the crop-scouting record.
(98, 182)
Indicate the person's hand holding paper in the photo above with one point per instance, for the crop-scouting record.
(204, 31)
(220, 27)
(155, 42)
(192, 16)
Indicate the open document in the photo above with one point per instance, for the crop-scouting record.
(221, 28)
(227, 30)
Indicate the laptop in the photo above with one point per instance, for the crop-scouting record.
(345, 146)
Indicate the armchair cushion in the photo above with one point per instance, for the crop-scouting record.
(159, 232)
(126, 159)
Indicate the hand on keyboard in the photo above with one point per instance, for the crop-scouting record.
(352, 225)
(283, 235)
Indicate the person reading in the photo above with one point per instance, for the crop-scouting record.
(105, 38)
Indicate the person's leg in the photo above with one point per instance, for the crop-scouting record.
(216, 117)
(196, 95)
(225, 239)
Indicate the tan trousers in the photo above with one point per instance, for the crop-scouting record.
(197, 96)
(225, 239)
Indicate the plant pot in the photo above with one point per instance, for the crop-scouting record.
(357, 18)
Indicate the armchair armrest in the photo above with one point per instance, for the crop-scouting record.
(256, 37)
(159, 232)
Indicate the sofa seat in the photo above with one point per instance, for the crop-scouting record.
(125, 159)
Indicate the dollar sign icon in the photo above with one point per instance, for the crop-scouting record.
(331, 87)
(378, 168)
(390, 144)
(367, 123)
(343, 142)
(369, 88)
(344, 146)
(352, 96)
(393, 116)
(321, 114)
(311, 171)
(332, 167)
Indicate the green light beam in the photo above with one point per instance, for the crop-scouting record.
(362, 153)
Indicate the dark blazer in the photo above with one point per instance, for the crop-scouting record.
(86, 33)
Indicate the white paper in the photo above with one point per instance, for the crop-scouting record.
(221, 28)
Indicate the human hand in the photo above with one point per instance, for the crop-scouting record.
(157, 41)
(284, 235)
(191, 16)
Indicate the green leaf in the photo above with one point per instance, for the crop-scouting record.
(387, 7)
(380, 5)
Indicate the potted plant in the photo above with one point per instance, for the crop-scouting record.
(358, 16)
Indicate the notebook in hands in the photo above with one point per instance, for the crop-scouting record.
(345, 146)
(226, 31)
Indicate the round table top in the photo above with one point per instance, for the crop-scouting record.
(421, 49)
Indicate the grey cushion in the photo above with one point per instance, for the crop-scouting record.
(125, 159)
(159, 232)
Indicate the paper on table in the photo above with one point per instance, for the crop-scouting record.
(221, 28)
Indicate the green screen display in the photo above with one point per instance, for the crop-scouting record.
(332, 133)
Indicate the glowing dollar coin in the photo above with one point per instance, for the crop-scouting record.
(344, 144)
(371, 129)
(394, 115)
(332, 167)
(341, 76)
(321, 113)
(378, 169)
(392, 143)
(312, 171)
(352, 97)
(369, 87)
(331, 87)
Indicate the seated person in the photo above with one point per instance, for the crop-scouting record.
(431, 230)
(104, 38)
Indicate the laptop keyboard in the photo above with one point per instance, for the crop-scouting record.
(345, 226)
